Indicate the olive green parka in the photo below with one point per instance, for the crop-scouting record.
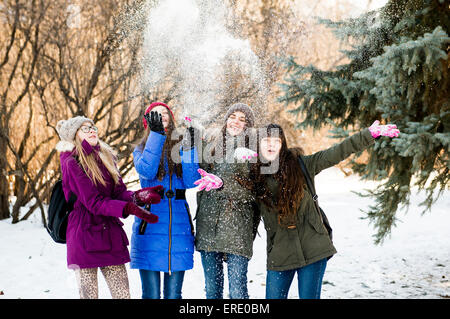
(307, 241)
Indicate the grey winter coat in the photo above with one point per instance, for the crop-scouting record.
(227, 218)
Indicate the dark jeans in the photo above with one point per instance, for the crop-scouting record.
(237, 274)
(151, 284)
(309, 281)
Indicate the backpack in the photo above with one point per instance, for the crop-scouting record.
(58, 213)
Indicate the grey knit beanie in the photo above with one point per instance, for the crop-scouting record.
(68, 128)
(244, 108)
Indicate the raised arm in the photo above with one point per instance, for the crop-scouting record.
(337, 153)
(190, 166)
(353, 144)
(146, 161)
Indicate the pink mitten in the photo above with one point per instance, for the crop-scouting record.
(242, 153)
(389, 130)
(208, 181)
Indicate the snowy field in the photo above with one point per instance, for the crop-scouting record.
(413, 263)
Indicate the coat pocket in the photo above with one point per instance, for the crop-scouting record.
(316, 222)
(284, 250)
(97, 238)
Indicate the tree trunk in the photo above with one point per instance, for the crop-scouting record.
(4, 185)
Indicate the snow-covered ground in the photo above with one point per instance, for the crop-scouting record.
(413, 263)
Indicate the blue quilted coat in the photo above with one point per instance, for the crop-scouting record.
(167, 245)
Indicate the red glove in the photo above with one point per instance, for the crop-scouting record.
(132, 209)
(148, 195)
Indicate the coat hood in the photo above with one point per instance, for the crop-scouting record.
(64, 146)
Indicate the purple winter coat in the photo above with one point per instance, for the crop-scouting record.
(95, 237)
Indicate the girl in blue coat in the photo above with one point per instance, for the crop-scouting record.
(166, 246)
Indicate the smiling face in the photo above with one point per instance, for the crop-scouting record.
(270, 148)
(236, 123)
(164, 114)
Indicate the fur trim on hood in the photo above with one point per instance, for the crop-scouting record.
(64, 146)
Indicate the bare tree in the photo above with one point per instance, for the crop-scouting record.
(61, 60)
(24, 41)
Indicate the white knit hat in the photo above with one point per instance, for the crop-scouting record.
(68, 128)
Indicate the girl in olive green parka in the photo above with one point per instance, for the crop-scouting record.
(297, 240)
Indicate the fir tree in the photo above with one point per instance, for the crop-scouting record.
(398, 73)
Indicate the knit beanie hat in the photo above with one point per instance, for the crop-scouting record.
(244, 108)
(68, 128)
(152, 106)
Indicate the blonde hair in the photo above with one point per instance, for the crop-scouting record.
(91, 167)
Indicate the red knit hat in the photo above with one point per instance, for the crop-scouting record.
(153, 105)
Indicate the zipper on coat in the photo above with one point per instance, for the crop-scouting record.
(170, 223)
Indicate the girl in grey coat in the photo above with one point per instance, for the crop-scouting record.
(226, 220)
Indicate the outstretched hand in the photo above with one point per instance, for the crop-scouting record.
(242, 153)
(208, 181)
(378, 130)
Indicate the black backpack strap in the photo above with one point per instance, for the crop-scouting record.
(72, 200)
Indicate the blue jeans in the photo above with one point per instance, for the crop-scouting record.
(151, 284)
(237, 274)
(309, 281)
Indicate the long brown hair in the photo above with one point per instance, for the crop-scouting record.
(289, 178)
(220, 140)
(166, 153)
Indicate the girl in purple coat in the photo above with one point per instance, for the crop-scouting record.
(95, 238)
